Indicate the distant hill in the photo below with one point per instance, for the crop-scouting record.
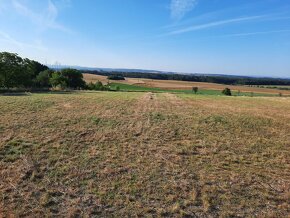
(109, 69)
(125, 70)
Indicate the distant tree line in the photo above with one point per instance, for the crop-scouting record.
(16, 72)
(228, 80)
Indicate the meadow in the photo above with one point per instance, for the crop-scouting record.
(173, 86)
(113, 154)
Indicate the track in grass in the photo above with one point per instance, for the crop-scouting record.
(144, 154)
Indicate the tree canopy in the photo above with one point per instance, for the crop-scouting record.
(18, 72)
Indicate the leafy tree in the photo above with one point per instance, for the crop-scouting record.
(58, 80)
(43, 78)
(34, 67)
(91, 86)
(18, 72)
(195, 89)
(227, 92)
(99, 86)
(74, 78)
(116, 77)
(12, 71)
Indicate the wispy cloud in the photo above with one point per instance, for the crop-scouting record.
(179, 8)
(8, 39)
(255, 33)
(214, 24)
(47, 19)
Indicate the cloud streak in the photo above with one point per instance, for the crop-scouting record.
(8, 39)
(44, 20)
(179, 8)
(214, 24)
(255, 33)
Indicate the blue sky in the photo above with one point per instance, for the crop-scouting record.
(238, 37)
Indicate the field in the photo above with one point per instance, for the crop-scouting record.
(104, 154)
(173, 86)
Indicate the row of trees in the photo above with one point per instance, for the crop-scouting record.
(220, 79)
(24, 73)
(18, 72)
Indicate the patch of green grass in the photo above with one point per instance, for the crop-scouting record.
(157, 116)
(14, 149)
(137, 88)
(104, 121)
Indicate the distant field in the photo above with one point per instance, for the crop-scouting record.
(129, 154)
(183, 85)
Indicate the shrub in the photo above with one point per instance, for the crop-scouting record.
(227, 92)
(58, 80)
(116, 77)
(42, 79)
(195, 89)
(74, 78)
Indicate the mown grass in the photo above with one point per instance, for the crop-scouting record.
(104, 154)
(140, 88)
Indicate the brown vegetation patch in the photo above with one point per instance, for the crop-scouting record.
(103, 154)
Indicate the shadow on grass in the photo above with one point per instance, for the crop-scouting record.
(28, 93)
(15, 94)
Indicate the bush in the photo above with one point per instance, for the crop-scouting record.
(42, 79)
(74, 78)
(58, 80)
(98, 86)
(116, 77)
(227, 92)
(195, 89)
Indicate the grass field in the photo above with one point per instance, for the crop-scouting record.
(107, 154)
(138, 88)
(185, 87)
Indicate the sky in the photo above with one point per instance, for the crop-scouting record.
(237, 37)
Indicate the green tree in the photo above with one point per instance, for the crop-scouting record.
(58, 80)
(99, 86)
(43, 78)
(227, 92)
(91, 86)
(195, 89)
(74, 78)
(34, 67)
(13, 71)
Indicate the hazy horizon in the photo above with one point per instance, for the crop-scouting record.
(186, 36)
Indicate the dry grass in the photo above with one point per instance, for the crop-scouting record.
(183, 85)
(143, 154)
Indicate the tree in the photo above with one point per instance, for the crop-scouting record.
(18, 72)
(12, 71)
(116, 77)
(91, 86)
(99, 86)
(74, 78)
(195, 89)
(42, 79)
(34, 67)
(227, 92)
(58, 80)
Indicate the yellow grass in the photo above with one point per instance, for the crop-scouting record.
(183, 85)
(104, 154)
